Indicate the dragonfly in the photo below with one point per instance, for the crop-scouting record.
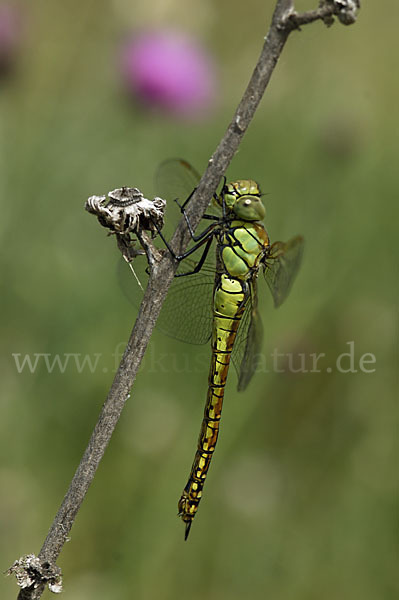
(214, 298)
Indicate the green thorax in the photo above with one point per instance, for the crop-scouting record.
(243, 242)
(242, 246)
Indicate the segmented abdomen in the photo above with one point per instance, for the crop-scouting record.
(229, 302)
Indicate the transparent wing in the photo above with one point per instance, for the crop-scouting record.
(186, 314)
(248, 344)
(281, 267)
(175, 178)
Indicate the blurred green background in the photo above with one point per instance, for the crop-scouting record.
(300, 498)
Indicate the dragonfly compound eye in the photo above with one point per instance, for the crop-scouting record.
(250, 208)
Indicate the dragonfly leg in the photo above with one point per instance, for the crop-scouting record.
(164, 240)
(201, 261)
(183, 210)
(196, 238)
(205, 237)
(201, 239)
(204, 234)
(182, 206)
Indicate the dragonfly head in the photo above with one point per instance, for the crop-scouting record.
(243, 198)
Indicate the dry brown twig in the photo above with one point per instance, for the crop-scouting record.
(42, 569)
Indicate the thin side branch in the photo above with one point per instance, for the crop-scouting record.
(284, 20)
(344, 10)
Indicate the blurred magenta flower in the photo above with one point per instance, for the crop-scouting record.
(170, 71)
(10, 36)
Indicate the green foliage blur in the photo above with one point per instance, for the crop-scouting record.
(300, 499)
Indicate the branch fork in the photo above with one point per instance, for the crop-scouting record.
(344, 10)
